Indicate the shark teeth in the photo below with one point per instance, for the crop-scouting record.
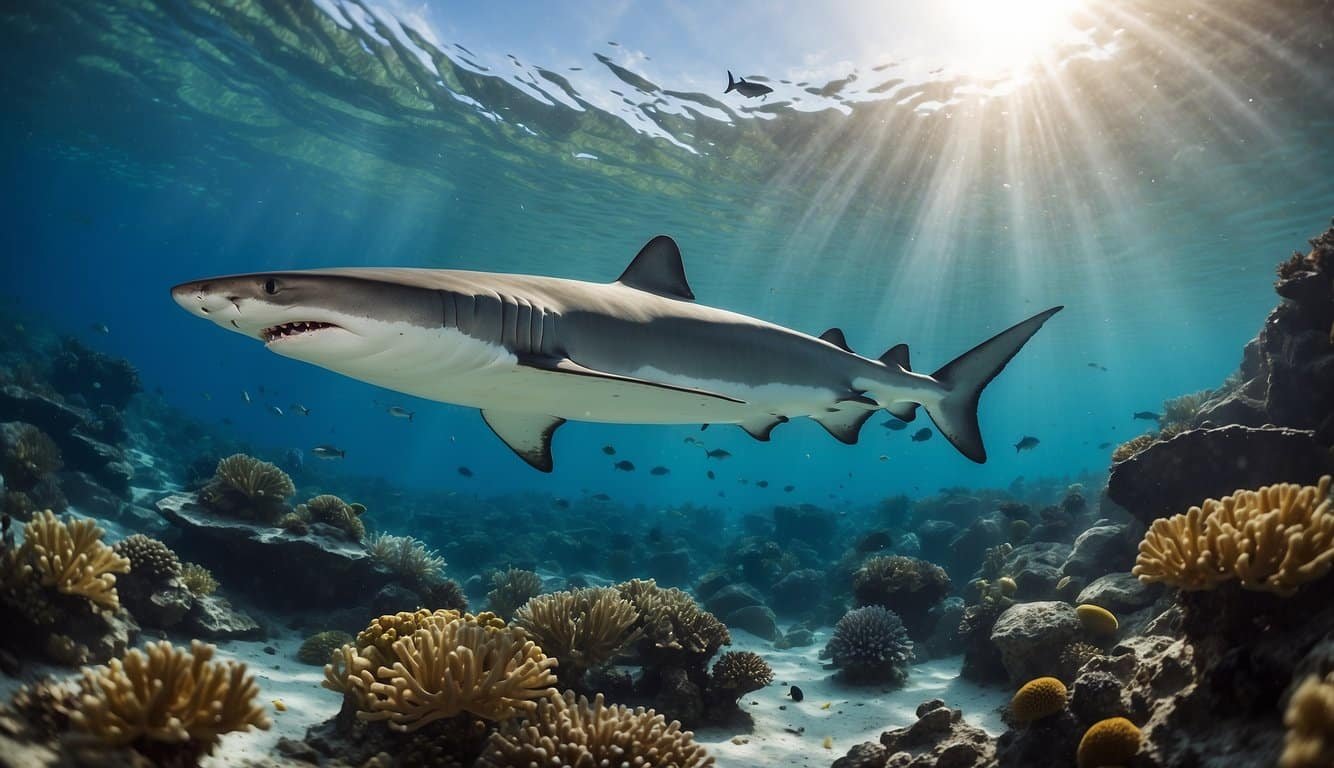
(288, 330)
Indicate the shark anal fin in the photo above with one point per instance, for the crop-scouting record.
(835, 336)
(761, 428)
(657, 268)
(567, 366)
(527, 434)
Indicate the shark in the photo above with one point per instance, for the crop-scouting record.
(533, 352)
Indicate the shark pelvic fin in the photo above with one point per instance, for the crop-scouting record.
(527, 434)
(835, 336)
(760, 429)
(845, 423)
(657, 268)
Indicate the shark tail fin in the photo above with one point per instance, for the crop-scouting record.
(964, 378)
(731, 84)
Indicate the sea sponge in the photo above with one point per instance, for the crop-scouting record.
(740, 672)
(1309, 718)
(567, 732)
(318, 649)
(675, 627)
(1038, 698)
(511, 589)
(1096, 620)
(149, 558)
(166, 695)
(198, 579)
(870, 645)
(245, 487)
(1271, 540)
(1108, 742)
(406, 557)
(905, 585)
(450, 667)
(331, 510)
(581, 628)
(72, 558)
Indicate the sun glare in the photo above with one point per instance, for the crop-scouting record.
(1003, 38)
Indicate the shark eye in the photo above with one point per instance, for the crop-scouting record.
(270, 286)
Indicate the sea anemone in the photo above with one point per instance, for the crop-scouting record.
(245, 487)
(333, 511)
(870, 645)
(580, 628)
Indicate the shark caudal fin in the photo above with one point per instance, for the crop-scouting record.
(731, 84)
(964, 378)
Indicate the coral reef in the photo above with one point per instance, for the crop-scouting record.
(570, 732)
(582, 628)
(245, 487)
(737, 673)
(1309, 742)
(149, 558)
(71, 558)
(168, 703)
(407, 557)
(905, 585)
(1038, 698)
(330, 510)
(870, 645)
(98, 379)
(1274, 539)
(511, 589)
(1108, 742)
(318, 649)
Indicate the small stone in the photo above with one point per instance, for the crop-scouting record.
(270, 650)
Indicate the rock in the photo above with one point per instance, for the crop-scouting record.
(944, 639)
(92, 637)
(799, 637)
(1051, 741)
(271, 566)
(97, 378)
(1096, 696)
(160, 606)
(755, 619)
(939, 739)
(89, 497)
(1030, 637)
(711, 582)
(298, 750)
(934, 537)
(868, 754)
(798, 592)
(969, 546)
(1100, 549)
(680, 696)
(392, 598)
(806, 523)
(76, 431)
(214, 618)
(731, 598)
(671, 568)
(1120, 593)
(1169, 477)
(1036, 568)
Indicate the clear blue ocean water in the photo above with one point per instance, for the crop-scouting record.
(912, 178)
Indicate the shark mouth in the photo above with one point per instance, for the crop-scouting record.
(290, 330)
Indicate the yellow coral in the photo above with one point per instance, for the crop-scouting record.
(569, 732)
(168, 695)
(1272, 540)
(1108, 742)
(1310, 720)
(1097, 620)
(72, 558)
(198, 579)
(377, 640)
(581, 628)
(446, 668)
(1038, 698)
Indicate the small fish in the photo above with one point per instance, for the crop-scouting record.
(1028, 443)
(624, 466)
(692, 441)
(399, 412)
(884, 457)
(245, 395)
(299, 408)
(762, 483)
(659, 471)
(747, 89)
(101, 328)
(465, 471)
(1097, 366)
(610, 450)
(1104, 446)
(895, 425)
(710, 474)
(279, 705)
(561, 504)
(789, 488)
(921, 435)
(601, 497)
(1148, 415)
(717, 453)
(328, 452)
(276, 410)
(796, 693)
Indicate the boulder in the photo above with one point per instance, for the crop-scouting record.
(1120, 593)
(670, 568)
(1100, 549)
(1030, 637)
(214, 618)
(1036, 568)
(798, 592)
(731, 598)
(755, 619)
(938, 739)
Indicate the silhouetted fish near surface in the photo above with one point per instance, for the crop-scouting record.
(1096, 366)
(610, 450)
(560, 504)
(692, 441)
(1104, 446)
(1028, 443)
(276, 410)
(328, 452)
(895, 424)
(1148, 415)
(717, 453)
(789, 488)
(659, 471)
(601, 497)
(921, 434)
(399, 412)
(299, 408)
(101, 328)
(624, 466)
(710, 474)
(745, 88)
(763, 483)
(465, 471)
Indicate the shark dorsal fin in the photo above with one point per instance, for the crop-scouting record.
(658, 269)
(835, 336)
(897, 355)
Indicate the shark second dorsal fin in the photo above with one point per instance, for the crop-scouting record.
(835, 336)
(658, 269)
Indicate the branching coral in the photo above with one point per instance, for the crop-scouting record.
(149, 558)
(511, 589)
(407, 557)
(673, 622)
(581, 628)
(574, 733)
(1310, 722)
(1133, 446)
(333, 511)
(246, 487)
(1180, 413)
(318, 649)
(1273, 540)
(166, 695)
(870, 645)
(740, 672)
(71, 558)
(198, 579)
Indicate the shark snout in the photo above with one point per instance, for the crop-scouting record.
(202, 299)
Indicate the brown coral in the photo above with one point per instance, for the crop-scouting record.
(581, 628)
(198, 579)
(246, 487)
(72, 558)
(166, 695)
(570, 732)
(333, 511)
(1310, 722)
(673, 622)
(1133, 446)
(740, 672)
(149, 558)
(1273, 540)
(1113, 741)
(511, 589)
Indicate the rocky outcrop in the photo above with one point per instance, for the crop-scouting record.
(1031, 636)
(84, 437)
(1120, 593)
(1103, 548)
(938, 739)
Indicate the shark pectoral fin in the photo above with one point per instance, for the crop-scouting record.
(564, 365)
(657, 268)
(760, 428)
(527, 434)
(844, 423)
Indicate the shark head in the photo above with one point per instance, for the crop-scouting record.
(327, 319)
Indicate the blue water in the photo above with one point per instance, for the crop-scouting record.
(1148, 177)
